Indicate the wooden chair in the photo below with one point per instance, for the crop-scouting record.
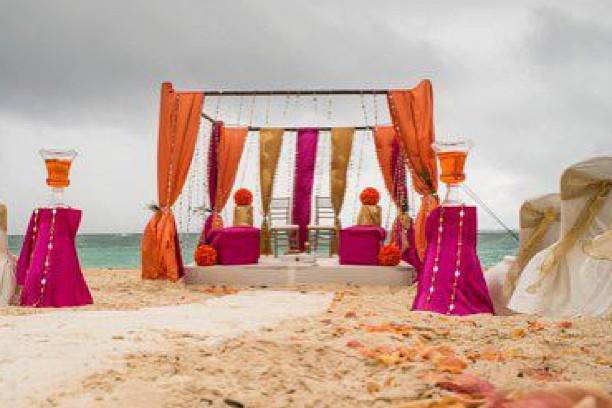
(323, 227)
(280, 224)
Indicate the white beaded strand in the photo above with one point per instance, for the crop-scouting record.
(45, 271)
(436, 265)
(457, 273)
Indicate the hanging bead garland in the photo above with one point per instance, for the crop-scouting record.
(45, 271)
(286, 107)
(240, 103)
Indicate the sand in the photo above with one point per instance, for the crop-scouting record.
(321, 358)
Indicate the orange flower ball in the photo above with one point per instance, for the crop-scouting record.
(243, 196)
(205, 255)
(389, 255)
(369, 196)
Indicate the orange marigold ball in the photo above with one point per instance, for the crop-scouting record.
(205, 255)
(243, 196)
(369, 196)
(389, 255)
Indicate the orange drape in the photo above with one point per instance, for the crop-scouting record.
(383, 140)
(412, 115)
(231, 145)
(179, 121)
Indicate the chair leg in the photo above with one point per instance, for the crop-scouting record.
(275, 239)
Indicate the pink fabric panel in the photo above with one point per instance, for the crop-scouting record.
(236, 245)
(304, 179)
(65, 284)
(472, 295)
(359, 245)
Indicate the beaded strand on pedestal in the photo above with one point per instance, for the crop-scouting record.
(457, 273)
(436, 266)
(33, 240)
(45, 271)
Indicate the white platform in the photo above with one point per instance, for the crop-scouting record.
(272, 271)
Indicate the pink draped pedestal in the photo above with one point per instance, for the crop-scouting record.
(359, 245)
(48, 269)
(471, 294)
(236, 245)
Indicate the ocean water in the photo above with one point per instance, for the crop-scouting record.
(122, 251)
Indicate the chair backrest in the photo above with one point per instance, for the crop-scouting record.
(531, 215)
(579, 183)
(323, 210)
(280, 211)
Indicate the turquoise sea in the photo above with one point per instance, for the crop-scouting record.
(122, 251)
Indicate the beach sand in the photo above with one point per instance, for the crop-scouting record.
(367, 349)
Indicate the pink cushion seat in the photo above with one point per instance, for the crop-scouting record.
(359, 245)
(236, 245)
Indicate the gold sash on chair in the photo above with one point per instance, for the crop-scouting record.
(600, 247)
(369, 215)
(243, 216)
(599, 191)
(3, 217)
(540, 221)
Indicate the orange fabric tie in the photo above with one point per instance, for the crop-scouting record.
(179, 121)
(412, 115)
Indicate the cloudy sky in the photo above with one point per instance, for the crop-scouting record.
(528, 81)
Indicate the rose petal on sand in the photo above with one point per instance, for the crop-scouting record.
(372, 387)
(535, 325)
(518, 333)
(354, 344)
(468, 384)
(444, 359)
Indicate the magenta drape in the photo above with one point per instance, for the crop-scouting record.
(303, 181)
(471, 295)
(61, 283)
(212, 173)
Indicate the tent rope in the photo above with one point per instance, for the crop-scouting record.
(485, 207)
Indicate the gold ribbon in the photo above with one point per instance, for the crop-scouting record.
(369, 215)
(600, 247)
(600, 191)
(405, 222)
(539, 220)
(243, 216)
(270, 143)
(217, 221)
(341, 145)
(3, 218)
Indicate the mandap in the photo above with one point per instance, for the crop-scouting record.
(402, 145)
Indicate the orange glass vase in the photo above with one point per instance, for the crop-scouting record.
(452, 156)
(58, 164)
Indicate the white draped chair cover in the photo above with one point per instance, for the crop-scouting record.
(500, 279)
(571, 277)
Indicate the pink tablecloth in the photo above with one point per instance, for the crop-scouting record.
(48, 268)
(471, 294)
(236, 245)
(359, 245)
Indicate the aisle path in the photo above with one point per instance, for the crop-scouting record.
(42, 352)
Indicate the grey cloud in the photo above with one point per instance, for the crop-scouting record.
(528, 81)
